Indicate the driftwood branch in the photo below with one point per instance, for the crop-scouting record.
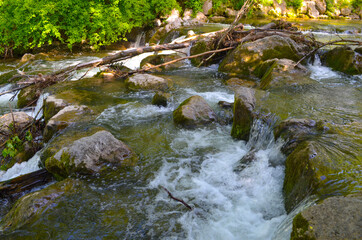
(177, 199)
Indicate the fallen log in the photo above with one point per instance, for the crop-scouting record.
(13, 187)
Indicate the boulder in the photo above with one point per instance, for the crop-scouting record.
(207, 7)
(324, 164)
(225, 115)
(13, 121)
(52, 105)
(343, 59)
(334, 218)
(32, 206)
(312, 10)
(245, 59)
(245, 161)
(27, 57)
(161, 99)
(321, 6)
(244, 115)
(28, 96)
(147, 82)
(276, 73)
(346, 11)
(194, 112)
(65, 117)
(280, 7)
(97, 154)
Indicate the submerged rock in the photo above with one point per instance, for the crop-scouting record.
(32, 206)
(98, 153)
(161, 99)
(325, 165)
(147, 82)
(244, 106)
(343, 59)
(245, 59)
(294, 131)
(334, 218)
(193, 112)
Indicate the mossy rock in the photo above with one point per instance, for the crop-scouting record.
(247, 57)
(52, 106)
(139, 82)
(194, 112)
(278, 73)
(28, 96)
(68, 136)
(343, 59)
(324, 166)
(32, 206)
(99, 153)
(334, 218)
(65, 117)
(161, 99)
(201, 47)
(244, 114)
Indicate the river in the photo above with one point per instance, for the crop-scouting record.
(230, 199)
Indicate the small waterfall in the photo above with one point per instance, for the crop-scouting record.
(319, 72)
(140, 40)
(18, 169)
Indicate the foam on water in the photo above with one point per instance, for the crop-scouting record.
(132, 112)
(4, 99)
(18, 169)
(227, 204)
(213, 97)
(320, 72)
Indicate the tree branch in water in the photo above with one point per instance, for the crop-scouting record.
(176, 199)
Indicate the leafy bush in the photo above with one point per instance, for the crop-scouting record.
(27, 24)
(296, 4)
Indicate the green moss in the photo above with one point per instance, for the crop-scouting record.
(301, 229)
(28, 96)
(201, 47)
(267, 77)
(342, 59)
(178, 117)
(242, 121)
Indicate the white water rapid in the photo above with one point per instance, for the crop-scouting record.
(231, 199)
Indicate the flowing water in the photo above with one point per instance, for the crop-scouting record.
(231, 198)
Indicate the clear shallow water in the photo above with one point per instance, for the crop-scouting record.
(199, 166)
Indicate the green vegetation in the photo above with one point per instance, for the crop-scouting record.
(296, 4)
(28, 24)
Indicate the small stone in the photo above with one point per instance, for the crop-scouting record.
(161, 99)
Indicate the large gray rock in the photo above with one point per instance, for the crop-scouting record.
(98, 153)
(147, 82)
(244, 115)
(346, 11)
(31, 206)
(312, 10)
(335, 218)
(207, 7)
(321, 6)
(193, 112)
(246, 58)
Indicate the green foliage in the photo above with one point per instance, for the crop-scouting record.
(356, 4)
(266, 2)
(13, 145)
(195, 5)
(27, 24)
(296, 4)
